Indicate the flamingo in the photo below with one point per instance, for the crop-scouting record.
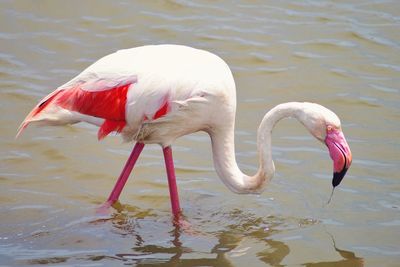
(157, 93)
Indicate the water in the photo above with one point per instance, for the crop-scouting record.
(344, 55)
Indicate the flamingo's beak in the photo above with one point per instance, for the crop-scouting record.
(340, 153)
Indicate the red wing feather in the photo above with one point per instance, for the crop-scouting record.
(88, 98)
(161, 111)
(108, 104)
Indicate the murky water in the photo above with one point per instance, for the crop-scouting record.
(344, 55)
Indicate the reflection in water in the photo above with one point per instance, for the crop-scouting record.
(138, 237)
(349, 258)
(276, 252)
(228, 240)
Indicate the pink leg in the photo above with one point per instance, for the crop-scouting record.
(173, 189)
(130, 163)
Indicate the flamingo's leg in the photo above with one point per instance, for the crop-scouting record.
(173, 189)
(119, 185)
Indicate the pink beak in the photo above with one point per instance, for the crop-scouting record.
(340, 153)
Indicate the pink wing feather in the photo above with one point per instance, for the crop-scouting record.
(109, 104)
(96, 97)
(101, 98)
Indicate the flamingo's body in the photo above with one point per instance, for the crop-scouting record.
(155, 94)
(152, 94)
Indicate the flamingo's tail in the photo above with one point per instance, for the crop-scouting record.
(36, 113)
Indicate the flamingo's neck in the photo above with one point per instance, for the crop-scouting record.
(223, 146)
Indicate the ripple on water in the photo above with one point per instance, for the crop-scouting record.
(372, 37)
(10, 61)
(388, 66)
(308, 55)
(385, 89)
(323, 43)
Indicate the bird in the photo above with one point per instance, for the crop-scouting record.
(155, 94)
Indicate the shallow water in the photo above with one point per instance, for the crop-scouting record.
(344, 55)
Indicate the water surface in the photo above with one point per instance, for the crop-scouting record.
(344, 55)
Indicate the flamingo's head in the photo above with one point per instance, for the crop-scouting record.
(324, 125)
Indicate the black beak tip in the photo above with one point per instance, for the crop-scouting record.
(338, 177)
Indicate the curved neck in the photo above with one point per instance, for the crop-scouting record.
(223, 147)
